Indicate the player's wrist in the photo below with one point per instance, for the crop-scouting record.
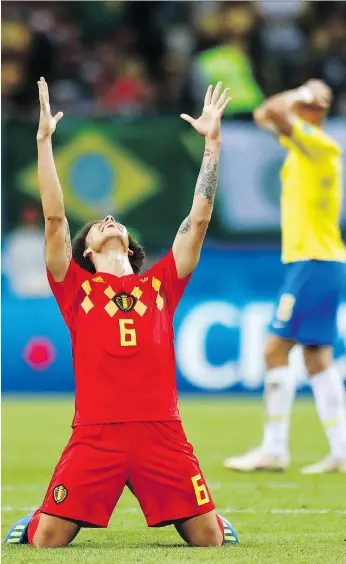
(42, 137)
(213, 143)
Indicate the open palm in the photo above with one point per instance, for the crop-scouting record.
(47, 123)
(209, 122)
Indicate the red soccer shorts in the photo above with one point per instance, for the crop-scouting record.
(153, 459)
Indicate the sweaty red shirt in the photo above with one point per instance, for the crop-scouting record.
(122, 342)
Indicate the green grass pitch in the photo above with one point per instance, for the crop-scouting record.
(280, 518)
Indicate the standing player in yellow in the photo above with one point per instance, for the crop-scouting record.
(314, 255)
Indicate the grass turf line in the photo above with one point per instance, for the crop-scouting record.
(217, 428)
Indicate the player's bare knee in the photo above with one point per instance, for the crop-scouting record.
(215, 538)
(47, 541)
(317, 360)
(48, 537)
(316, 366)
(207, 537)
(275, 354)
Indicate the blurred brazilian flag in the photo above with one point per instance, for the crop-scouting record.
(98, 176)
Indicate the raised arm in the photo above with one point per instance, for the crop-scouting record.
(278, 113)
(189, 239)
(58, 242)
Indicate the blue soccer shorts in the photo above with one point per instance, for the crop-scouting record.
(308, 302)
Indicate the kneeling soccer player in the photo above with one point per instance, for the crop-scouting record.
(127, 428)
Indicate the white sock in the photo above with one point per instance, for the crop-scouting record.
(329, 395)
(279, 393)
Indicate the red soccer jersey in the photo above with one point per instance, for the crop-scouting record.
(122, 342)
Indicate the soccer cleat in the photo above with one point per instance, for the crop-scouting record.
(258, 459)
(230, 536)
(328, 464)
(18, 533)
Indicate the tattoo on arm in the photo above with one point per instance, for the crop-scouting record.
(208, 154)
(185, 226)
(68, 247)
(207, 180)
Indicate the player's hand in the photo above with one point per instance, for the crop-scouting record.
(215, 103)
(47, 123)
(320, 91)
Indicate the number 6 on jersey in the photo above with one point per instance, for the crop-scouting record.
(127, 334)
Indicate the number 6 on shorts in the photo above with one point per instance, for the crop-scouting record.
(201, 492)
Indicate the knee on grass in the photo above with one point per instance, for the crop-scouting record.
(210, 536)
(48, 537)
(48, 531)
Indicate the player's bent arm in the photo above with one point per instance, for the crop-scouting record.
(189, 239)
(58, 251)
(276, 114)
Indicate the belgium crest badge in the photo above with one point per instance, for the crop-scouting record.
(124, 301)
(60, 494)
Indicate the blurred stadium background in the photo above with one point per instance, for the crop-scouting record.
(122, 72)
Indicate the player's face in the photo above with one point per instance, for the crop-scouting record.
(104, 231)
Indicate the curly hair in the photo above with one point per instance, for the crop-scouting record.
(79, 246)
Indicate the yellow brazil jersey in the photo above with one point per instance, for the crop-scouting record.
(311, 196)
